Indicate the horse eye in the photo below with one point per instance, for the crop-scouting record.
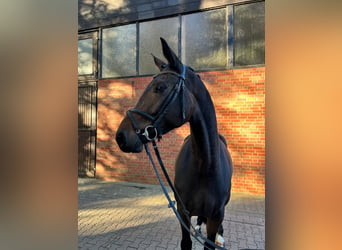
(160, 88)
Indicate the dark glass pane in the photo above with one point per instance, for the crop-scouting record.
(249, 34)
(119, 51)
(149, 34)
(85, 56)
(204, 39)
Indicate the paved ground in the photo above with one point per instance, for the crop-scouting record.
(113, 215)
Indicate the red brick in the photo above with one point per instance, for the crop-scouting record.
(240, 120)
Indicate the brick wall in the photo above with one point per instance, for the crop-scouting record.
(239, 98)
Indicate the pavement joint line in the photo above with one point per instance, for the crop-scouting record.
(150, 225)
(248, 223)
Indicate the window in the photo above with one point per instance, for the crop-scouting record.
(249, 34)
(231, 36)
(149, 42)
(119, 51)
(204, 39)
(85, 56)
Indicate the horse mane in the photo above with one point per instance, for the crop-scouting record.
(222, 138)
(194, 72)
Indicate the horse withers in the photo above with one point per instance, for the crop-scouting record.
(203, 168)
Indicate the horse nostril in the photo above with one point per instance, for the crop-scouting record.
(121, 139)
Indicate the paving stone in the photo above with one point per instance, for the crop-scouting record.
(117, 215)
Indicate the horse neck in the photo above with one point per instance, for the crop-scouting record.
(203, 125)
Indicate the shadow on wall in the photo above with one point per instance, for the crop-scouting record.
(92, 13)
(110, 162)
(115, 97)
(239, 98)
(97, 13)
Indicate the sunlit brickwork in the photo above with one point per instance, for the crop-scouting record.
(239, 98)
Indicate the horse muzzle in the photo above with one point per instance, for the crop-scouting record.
(128, 140)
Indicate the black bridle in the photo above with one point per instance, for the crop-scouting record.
(152, 132)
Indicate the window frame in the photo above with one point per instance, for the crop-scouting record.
(178, 52)
(94, 36)
(234, 66)
(182, 42)
(136, 51)
(229, 39)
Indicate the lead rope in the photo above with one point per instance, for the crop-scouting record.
(172, 203)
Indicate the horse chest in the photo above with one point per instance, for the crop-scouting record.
(202, 202)
(201, 197)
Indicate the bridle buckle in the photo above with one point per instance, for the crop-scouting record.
(150, 133)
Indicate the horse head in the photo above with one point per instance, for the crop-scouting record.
(166, 103)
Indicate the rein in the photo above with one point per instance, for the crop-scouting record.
(152, 132)
(195, 234)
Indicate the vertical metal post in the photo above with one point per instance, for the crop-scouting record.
(180, 38)
(137, 49)
(230, 26)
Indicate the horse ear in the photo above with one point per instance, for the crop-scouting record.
(171, 57)
(158, 62)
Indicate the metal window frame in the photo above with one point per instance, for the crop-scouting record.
(230, 39)
(94, 35)
(233, 35)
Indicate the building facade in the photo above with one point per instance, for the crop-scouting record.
(222, 40)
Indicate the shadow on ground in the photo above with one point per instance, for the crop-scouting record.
(117, 215)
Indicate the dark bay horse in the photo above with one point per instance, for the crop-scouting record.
(204, 167)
